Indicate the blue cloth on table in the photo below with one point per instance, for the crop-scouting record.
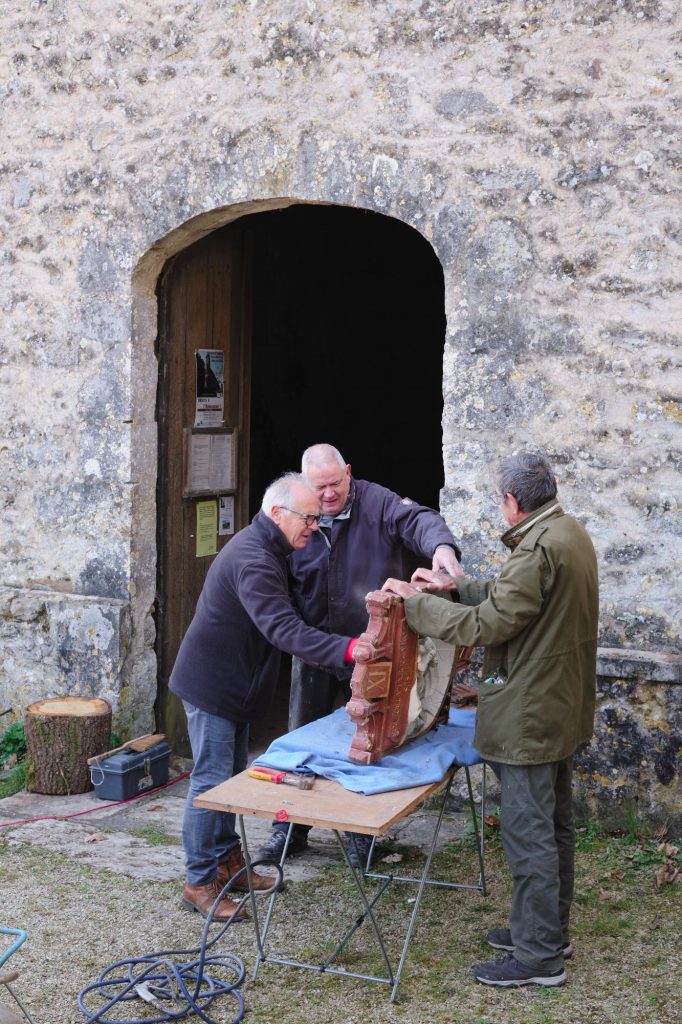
(322, 747)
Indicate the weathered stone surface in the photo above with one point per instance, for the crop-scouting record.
(544, 175)
(57, 644)
(635, 759)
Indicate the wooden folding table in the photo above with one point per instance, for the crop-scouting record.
(329, 805)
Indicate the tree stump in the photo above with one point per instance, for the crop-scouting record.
(61, 734)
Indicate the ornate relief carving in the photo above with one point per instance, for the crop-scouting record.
(398, 691)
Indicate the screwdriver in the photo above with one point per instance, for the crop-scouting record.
(271, 775)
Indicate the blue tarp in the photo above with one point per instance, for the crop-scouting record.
(322, 747)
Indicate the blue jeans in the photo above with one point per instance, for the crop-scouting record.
(220, 750)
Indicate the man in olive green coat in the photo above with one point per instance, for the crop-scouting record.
(538, 624)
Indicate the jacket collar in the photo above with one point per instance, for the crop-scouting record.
(271, 532)
(515, 534)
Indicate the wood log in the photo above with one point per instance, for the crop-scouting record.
(61, 734)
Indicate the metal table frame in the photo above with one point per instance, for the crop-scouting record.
(5, 979)
(368, 900)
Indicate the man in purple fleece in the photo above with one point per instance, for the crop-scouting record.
(227, 668)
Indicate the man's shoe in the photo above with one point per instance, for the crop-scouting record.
(202, 897)
(272, 850)
(500, 938)
(358, 848)
(511, 972)
(234, 864)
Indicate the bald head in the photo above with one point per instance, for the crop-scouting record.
(325, 470)
(321, 455)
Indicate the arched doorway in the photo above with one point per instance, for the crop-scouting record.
(331, 323)
(348, 332)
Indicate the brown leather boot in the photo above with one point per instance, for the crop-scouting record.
(230, 867)
(202, 897)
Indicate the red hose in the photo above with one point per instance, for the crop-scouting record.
(99, 807)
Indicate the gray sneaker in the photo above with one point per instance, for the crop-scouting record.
(273, 848)
(358, 847)
(511, 972)
(500, 938)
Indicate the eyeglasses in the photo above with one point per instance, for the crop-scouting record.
(498, 498)
(308, 516)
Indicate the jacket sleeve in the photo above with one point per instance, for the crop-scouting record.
(265, 598)
(512, 601)
(472, 591)
(418, 527)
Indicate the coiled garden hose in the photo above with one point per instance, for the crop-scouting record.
(175, 990)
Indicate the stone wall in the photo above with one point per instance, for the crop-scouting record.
(633, 763)
(59, 644)
(535, 145)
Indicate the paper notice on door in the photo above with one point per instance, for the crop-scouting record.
(211, 463)
(226, 515)
(210, 388)
(207, 528)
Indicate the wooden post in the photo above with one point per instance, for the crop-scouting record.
(61, 734)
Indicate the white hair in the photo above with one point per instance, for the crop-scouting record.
(321, 455)
(281, 492)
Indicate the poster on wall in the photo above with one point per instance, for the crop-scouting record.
(206, 529)
(226, 515)
(210, 387)
(210, 462)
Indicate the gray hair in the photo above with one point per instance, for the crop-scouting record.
(281, 491)
(529, 477)
(321, 455)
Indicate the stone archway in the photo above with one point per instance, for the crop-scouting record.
(347, 346)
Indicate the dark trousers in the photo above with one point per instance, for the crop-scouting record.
(538, 837)
(313, 695)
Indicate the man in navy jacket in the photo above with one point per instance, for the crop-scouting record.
(365, 532)
(227, 669)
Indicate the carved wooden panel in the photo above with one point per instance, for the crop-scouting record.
(396, 694)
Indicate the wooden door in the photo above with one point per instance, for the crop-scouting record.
(204, 303)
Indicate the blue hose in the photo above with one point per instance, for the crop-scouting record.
(157, 978)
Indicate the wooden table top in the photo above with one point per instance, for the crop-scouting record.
(327, 804)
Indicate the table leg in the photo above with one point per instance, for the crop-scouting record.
(480, 835)
(420, 891)
(358, 875)
(261, 935)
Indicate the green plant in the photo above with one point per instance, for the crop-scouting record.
(631, 816)
(15, 781)
(13, 742)
(589, 836)
(645, 855)
(154, 836)
(610, 924)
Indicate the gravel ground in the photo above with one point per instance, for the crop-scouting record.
(79, 918)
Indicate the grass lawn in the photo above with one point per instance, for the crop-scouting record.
(627, 968)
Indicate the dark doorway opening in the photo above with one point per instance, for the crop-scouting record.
(348, 328)
(347, 347)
